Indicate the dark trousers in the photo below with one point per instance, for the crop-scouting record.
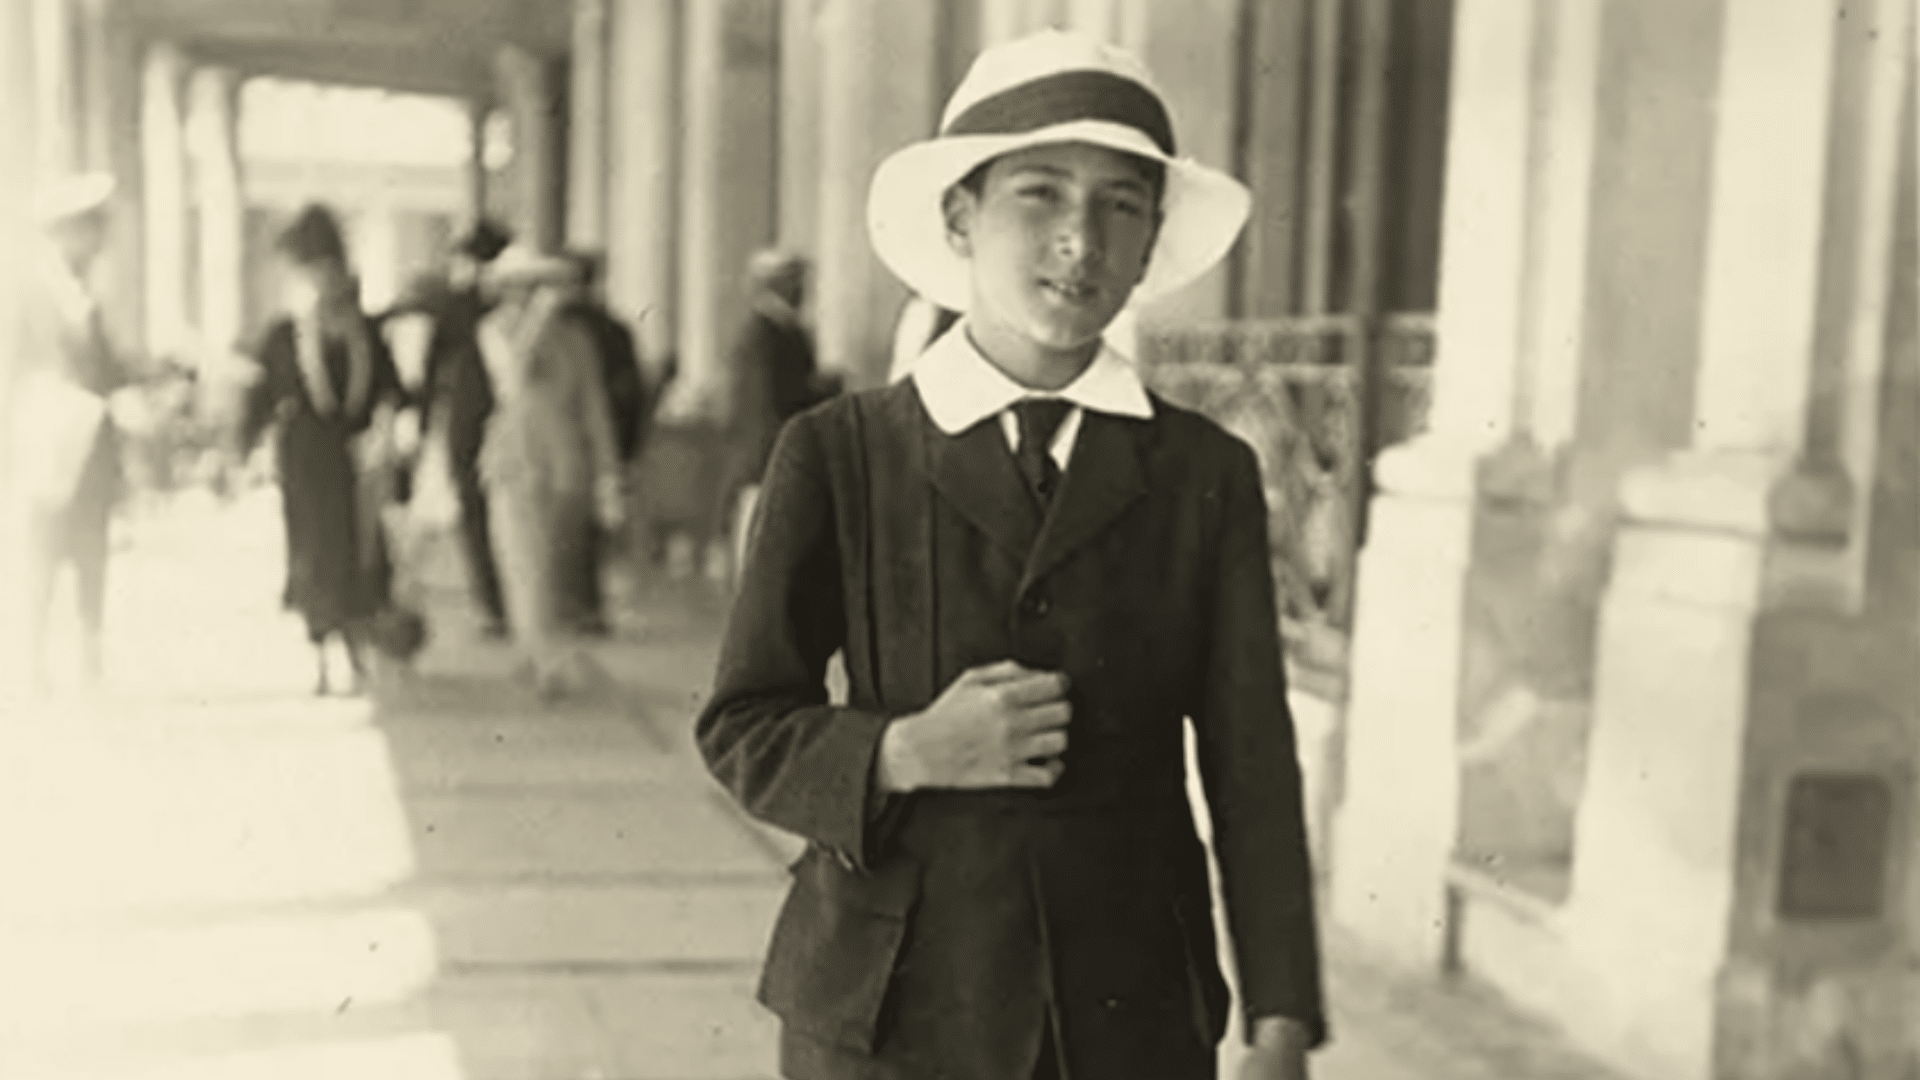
(476, 541)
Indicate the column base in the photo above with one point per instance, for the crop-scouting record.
(1677, 850)
(1394, 833)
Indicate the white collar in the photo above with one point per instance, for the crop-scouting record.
(960, 387)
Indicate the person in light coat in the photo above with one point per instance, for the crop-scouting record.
(65, 470)
(549, 458)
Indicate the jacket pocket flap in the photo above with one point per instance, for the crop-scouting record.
(835, 945)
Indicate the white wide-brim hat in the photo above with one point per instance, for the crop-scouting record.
(520, 264)
(71, 196)
(1049, 87)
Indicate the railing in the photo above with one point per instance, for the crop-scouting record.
(1317, 398)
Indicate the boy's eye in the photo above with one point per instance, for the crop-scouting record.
(1038, 191)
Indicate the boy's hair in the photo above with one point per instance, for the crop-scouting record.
(975, 182)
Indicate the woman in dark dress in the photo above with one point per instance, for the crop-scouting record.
(325, 383)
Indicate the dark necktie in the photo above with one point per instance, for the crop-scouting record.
(1039, 419)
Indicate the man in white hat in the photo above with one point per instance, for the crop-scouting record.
(1037, 573)
(65, 451)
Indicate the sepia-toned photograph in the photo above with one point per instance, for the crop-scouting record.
(959, 540)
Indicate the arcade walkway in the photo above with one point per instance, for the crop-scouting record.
(216, 876)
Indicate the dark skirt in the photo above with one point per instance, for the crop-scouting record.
(338, 574)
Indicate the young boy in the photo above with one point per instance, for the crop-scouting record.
(1035, 571)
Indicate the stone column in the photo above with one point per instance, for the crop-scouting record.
(111, 117)
(880, 93)
(212, 131)
(56, 127)
(727, 184)
(476, 171)
(530, 89)
(587, 128)
(643, 169)
(1396, 830)
(1190, 48)
(17, 149)
(164, 171)
(1004, 20)
(1723, 623)
(802, 41)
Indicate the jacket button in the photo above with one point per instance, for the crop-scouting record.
(1112, 1003)
(1037, 605)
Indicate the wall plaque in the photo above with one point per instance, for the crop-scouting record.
(1834, 856)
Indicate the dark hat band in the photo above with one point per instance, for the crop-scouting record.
(1064, 98)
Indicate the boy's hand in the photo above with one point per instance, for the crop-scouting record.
(1279, 1050)
(986, 731)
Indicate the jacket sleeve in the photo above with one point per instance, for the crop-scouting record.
(768, 733)
(1248, 763)
(261, 395)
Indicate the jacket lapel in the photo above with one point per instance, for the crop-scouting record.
(1103, 478)
(974, 472)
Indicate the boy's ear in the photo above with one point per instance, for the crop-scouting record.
(957, 207)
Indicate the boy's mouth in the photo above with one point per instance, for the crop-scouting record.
(1070, 291)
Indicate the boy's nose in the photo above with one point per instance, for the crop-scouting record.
(1078, 238)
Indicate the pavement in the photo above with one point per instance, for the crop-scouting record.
(214, 874)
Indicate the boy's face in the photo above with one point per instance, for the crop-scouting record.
(1058, 236)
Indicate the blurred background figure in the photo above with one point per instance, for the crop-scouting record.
(67, 452)
(630, 404)
(773, 375)
(328, 386)
(549, 460)
(458, 400)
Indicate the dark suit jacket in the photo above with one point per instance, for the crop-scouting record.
(772, 367)
(620, 373)
(935, 939)
(456, 380)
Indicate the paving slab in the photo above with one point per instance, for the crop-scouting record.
(600, 924)
(686, 1026)
(473, 753)
(514, 835)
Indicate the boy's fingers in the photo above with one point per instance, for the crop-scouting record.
(990, 674)
(1042, 775)
(1046, 744)
(1036, 688)
(1050, 716)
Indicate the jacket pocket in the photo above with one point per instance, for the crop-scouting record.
(835, 946)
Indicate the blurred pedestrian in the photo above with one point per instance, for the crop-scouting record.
(773, 376)
(327, 385)
(65, 458)
(459, 399)
(631, 407)
(549, 459)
